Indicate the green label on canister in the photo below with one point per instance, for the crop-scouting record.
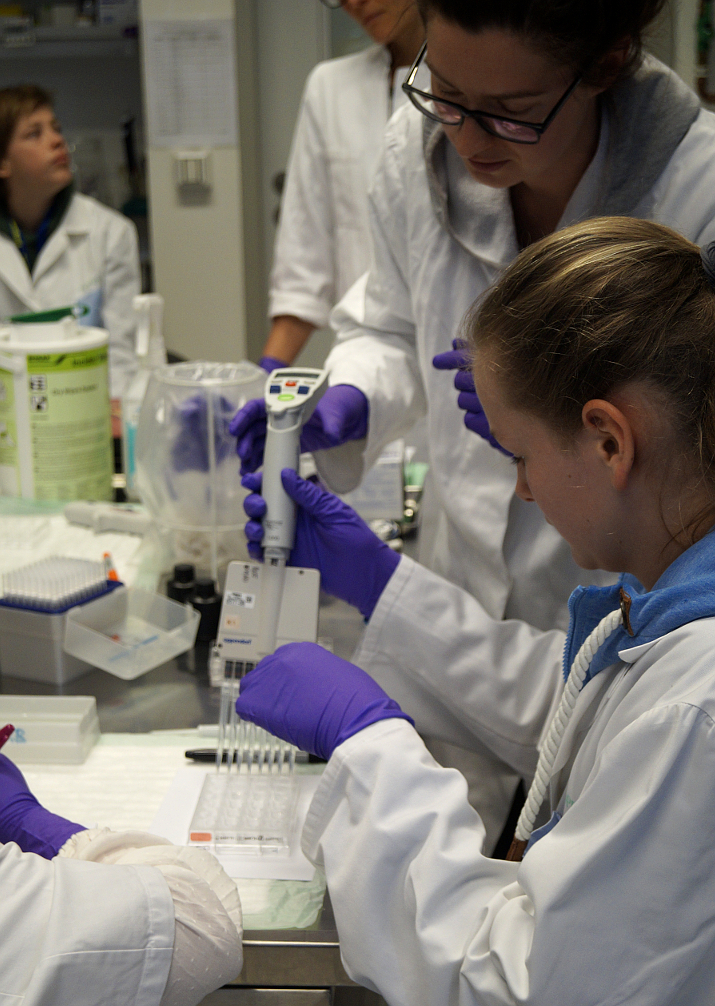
(70, 425)
(9, 470)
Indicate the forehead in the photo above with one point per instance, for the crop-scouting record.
(43, 114)
(488, 378)
(490, 61)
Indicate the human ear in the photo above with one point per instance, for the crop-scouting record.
(612, 436)
(610, 66)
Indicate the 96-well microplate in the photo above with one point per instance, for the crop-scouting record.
(252, 812)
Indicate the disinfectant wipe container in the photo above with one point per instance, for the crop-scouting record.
(55, 433)
(186, 465)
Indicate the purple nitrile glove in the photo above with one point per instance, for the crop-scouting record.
(25, 821)
(190, 450)
(271, 363)
(313, 699)
(340, 415)
(475, 420)
(354, 564)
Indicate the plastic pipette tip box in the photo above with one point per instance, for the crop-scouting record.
(33, 611)
(55, 584)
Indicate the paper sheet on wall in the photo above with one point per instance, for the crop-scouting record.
(173, 820)
(190, 74)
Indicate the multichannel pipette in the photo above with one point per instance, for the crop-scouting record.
(291, 394)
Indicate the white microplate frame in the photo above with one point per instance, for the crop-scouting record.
(248, 813)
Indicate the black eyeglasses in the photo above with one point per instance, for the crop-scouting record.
(449, 113)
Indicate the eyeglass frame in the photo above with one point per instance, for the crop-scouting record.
(538, 127)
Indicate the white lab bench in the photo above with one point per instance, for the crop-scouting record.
(291, 949)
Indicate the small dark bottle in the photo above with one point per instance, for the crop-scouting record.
(208, 603)
(181, 588)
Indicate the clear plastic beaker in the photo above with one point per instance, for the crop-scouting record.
(186, 463)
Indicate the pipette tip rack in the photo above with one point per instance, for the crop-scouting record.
(55, 585)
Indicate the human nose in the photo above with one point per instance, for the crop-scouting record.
(470, 139)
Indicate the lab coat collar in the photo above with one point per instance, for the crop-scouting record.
(15, 274)
(684, 593)
(643, 120)
(76, 223)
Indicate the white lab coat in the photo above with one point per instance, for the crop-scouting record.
(323, 247)
(92, 258)
(323, 242)
(82, 933)
(440, 239)
(615, 905)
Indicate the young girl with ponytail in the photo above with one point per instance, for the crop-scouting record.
(594, 359)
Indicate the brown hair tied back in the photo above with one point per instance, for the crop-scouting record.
(598, 305)
(574, 33)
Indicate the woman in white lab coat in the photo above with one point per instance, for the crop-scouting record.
(97, 918)
(322, 245)
(450, 207)
(58, 247)
(607, 405)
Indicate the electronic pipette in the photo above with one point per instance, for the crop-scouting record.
(248, 630)
(291, 395)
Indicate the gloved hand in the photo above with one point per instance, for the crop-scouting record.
(25, 821)
(190, 450)
(340, 415)
(475, 420)
(313, 699)
(271, 363)
(329, 536)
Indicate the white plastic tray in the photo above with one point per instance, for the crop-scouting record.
(55, 729)
(130, 631)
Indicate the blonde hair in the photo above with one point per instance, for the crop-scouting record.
(596, 306)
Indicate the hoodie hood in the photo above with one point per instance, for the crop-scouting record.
(684, 593)
(643, 120)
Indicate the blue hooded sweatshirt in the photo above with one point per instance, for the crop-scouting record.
(684, 593)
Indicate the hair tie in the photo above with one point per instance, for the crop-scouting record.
(707, 256)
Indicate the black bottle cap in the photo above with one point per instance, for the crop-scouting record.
(204, 588)
(184, 572)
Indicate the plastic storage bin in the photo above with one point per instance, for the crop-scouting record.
(31, 647)
(59, 729)
(130, 631)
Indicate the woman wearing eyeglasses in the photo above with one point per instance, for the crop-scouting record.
(323, 240)
(539, 113)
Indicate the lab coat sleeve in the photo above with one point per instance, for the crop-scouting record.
(375, 348)
(303, 277)
(614, 905)
(462, 676)
(83, 933)
(121, 282)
